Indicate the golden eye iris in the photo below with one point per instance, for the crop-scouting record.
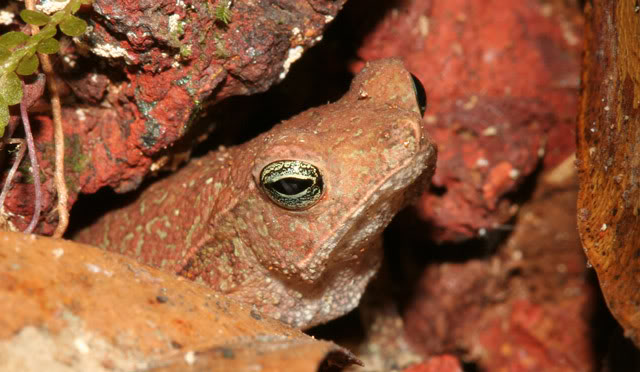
(292, 184)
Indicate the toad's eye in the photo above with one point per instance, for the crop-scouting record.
(420, 93)
(292, 184)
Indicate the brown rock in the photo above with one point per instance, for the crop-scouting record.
(67, 306)
(607, 156)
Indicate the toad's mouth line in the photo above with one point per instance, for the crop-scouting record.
(408, 172)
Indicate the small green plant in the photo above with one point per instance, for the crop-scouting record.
(223, 11)
(221, 50)
(18, 50)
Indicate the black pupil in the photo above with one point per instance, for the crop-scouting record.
(421, 94)
(290, 186)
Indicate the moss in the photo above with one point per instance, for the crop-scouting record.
(185, 51)
(223, 12)
(76, 160)
(176, 32)
(202, 39)
(221, 50)
(25, 172)
(26, 176)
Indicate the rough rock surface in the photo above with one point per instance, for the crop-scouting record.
(142, 73)
(513, 310)
(71, 307)
(443, 363)
(502, 79)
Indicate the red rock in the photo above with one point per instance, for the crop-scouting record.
(528, 307)
(159, 63)
(533, 337)
(502, 79)
(443, 363)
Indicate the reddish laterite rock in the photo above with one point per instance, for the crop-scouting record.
(141, 75)
(502, 80)
(443, 363)
(529, 307)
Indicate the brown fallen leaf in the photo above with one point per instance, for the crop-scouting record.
(67, 306)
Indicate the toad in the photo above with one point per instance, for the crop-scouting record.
(290, 221)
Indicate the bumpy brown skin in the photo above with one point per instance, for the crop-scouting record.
(212, 222)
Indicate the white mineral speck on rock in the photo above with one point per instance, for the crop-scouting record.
(81, 345)
(482, 162)
(69, 61)
(190, 357)
(294, 55)
(93, 268)
(80, 114)
(173, 22)
(6, 18)
(517, 255)
(490, 131)
(109, 51)
(58, 252)
(51, 6)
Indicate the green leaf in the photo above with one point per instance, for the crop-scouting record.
(48, 32)
(73, 26)
(28, 65)
(57, 17)
(4, 116)
(11, 88)
(75, 6)
(33, 17)
(48, 46)
(12, 39)
(4, 53)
